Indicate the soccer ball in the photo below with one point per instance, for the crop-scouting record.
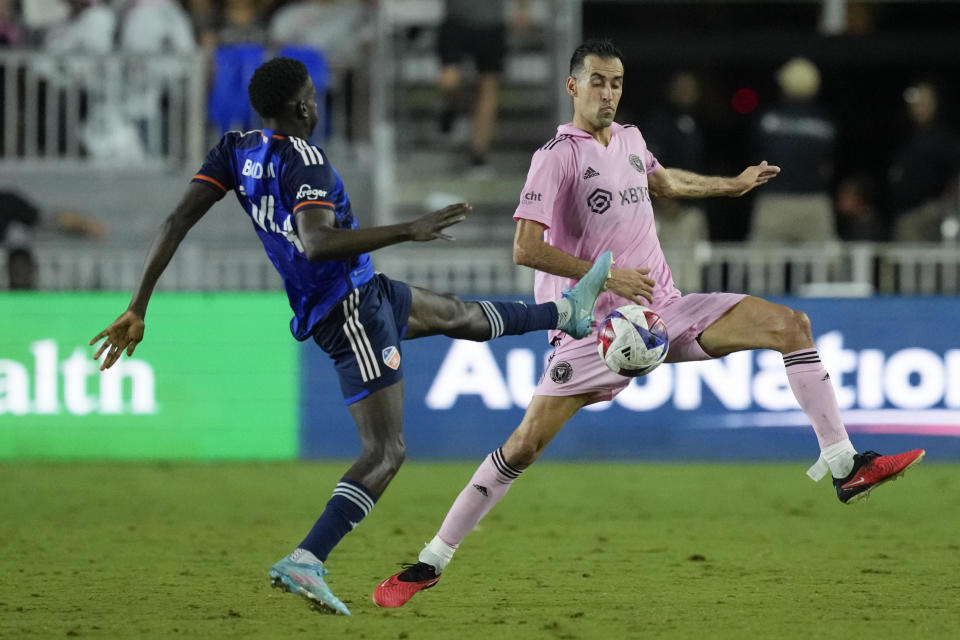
(632, 341)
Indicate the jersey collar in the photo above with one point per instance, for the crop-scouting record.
(570, 130)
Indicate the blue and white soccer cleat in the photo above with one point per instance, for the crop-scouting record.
(583, 297)
(306, 581)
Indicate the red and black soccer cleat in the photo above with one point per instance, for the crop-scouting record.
(870, 470)
(397, 589)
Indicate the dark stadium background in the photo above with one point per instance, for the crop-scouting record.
(733, 45)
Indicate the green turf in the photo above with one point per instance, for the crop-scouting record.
(575, 551)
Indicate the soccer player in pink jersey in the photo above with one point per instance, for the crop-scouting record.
(588, 190)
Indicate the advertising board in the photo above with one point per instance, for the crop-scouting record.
(215, 377)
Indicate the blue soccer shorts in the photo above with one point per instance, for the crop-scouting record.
(362, 335)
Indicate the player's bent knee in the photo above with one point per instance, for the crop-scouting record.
(801, 325)
(523, 451)
(792, 331)
(523, 457)
(386, 455)
(394, 455)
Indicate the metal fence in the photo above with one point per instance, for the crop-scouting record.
(857, 269)
(839, 269)
(74, 110)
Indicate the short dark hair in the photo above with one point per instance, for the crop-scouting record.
(597, 46)
(274, 84)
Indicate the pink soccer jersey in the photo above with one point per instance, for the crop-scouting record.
(592, 199)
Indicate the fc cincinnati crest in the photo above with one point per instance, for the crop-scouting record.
(636, 163)
(561, 372)
(391, 357)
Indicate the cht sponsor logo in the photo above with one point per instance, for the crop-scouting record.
(532, 196)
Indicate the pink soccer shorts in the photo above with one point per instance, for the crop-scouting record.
(575, 367)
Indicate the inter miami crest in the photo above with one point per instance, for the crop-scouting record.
(561, 372)
(636, 163)
(599, 201)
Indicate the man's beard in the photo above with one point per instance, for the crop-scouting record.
(606, 119)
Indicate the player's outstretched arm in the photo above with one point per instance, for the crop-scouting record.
(678, 183)
(126, 331)
(322, 241)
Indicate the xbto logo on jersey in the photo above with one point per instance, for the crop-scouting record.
(634, 195)
(599, 201)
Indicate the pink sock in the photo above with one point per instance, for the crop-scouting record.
(489, 483)
(811, 386)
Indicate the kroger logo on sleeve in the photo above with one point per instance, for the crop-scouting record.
(306, 191)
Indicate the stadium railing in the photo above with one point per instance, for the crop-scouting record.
(119, 109)
(852, 269)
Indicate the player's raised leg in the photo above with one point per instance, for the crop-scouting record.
(379, 420)
(433, 314)
(755, 323)
(544, 418)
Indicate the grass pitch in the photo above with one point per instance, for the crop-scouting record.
(110, 550)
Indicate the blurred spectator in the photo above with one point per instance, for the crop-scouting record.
(21, 269)
(18, 214)
(339, 28)
(926, 165)
(156, 26)
(10, 28)
(204, 16)
(798, 136)
(89, 28)
(476, 30)
(856, 205)
(675, 138)
(38, 15)
(671, 131)
(242, 23)
(343, 31)
(240, 48)
(96, 89)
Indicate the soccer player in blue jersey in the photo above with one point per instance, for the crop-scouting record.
(302, 214)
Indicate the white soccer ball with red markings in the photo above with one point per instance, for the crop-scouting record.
(632, 340)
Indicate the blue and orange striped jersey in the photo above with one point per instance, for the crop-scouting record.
(273, 177)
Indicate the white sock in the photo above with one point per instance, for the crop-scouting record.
(564, 309)
(437, 553)
(836, 458)
(302, 556)
(839, 458)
